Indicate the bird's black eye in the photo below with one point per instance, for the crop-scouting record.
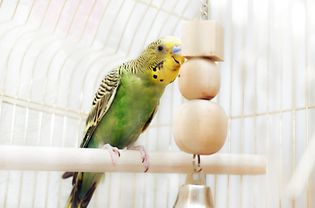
(160, 48)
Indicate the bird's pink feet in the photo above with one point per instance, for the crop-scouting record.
(113, 152)
(144, 155)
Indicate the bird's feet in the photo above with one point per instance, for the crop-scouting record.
(113, 152)
(144, 155)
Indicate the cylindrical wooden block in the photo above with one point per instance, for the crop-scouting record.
(199, 79)
(203, 38)
(200, 127)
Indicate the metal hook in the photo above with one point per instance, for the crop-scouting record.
(197, 167)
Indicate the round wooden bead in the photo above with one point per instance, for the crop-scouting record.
(200, 127)
(199, 78)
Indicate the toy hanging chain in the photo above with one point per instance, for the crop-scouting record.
(204, 9)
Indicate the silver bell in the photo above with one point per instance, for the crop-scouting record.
(194, 194)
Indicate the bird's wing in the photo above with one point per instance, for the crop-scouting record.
(101, 103)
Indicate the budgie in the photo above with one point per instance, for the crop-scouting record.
(123, 107)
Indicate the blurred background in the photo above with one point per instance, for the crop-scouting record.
(53, 54)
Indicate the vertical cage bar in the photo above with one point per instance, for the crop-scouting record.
(231, 88)
(306, 93)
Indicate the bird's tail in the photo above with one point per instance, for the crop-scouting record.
(75, 201)
(78, 199)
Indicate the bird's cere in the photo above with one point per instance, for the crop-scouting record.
(177, 50)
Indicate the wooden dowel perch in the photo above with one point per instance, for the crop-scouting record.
(98, 160)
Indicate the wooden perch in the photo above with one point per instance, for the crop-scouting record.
(98, 160)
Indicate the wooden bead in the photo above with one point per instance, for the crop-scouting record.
(200, 127)
(203, 38)
(199, 79)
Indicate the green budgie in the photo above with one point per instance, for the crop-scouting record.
(123, 107)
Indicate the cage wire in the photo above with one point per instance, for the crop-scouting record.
(53, 55)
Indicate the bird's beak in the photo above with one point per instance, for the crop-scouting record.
(177, 55)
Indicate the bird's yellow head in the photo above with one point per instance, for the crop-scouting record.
(163, 59)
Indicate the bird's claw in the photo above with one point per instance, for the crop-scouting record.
(144, 156)
(113, 152)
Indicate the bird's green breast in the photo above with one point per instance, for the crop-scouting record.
(135, 100)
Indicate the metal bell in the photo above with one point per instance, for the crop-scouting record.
(194, 194)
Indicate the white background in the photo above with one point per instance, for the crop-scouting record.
(53, 53)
